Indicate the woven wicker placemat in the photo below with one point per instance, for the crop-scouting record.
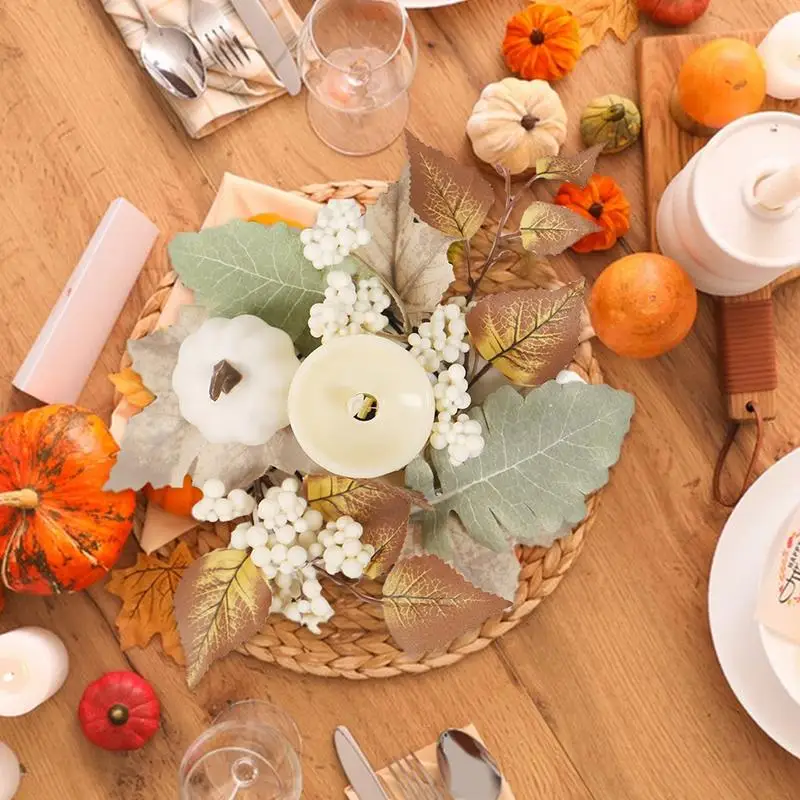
(356, 644)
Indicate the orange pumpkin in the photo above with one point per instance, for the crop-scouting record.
(603, 202)
(59, 531)
(175, 501)
(643, 305)
(720, 82)
(268, 218)
(542, 42)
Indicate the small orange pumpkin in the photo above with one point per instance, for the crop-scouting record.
(59, 530)
(175, 501)
(720, 82)
(268, 218)
(603, 202)
(542, 41)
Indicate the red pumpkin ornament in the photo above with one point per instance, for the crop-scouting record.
(119, 711)
(59, 531)
(674, 12)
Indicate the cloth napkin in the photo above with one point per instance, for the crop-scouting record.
(427, 755)
(227, 97)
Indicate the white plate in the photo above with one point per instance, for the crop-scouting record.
(736, 571)
(420, 4)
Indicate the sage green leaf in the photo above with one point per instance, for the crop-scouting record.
(249, 268)
(575, 169)
(544, 454)
(406, 253)
(548, 229)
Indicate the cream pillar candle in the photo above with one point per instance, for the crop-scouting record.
(361, 406)
(780, 51)
(10, 772)
(33, 667)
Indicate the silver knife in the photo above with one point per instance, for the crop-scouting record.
(366, 784)
(269, 41)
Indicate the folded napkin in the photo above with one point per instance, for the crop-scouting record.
(227, 97)
(427, 755)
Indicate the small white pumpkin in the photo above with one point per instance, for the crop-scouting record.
(515, 122)
(232, 379)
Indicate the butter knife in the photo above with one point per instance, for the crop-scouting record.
(269, 41)
(366, 784)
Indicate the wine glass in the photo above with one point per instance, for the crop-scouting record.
(250, 752)
(357, 58)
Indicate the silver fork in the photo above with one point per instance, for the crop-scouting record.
(414, 780)
(216, 35)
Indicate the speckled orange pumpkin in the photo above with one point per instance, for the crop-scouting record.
(59, 531)
(543, 41)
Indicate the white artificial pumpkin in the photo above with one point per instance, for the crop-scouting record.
(515, 122)
(232, 379)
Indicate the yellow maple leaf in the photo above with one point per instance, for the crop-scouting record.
(598, 17)
(129, 384)
(147, 590)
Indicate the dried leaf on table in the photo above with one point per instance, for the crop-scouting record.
(452, 197)
(382, 509)
(427, 604)
(529, 335)
(247, 268)
(598, 17)
(407, 254)
(147, 590)
(548, 229)
(129, 384)
(544, 454)
(222, 600)
(576, 169)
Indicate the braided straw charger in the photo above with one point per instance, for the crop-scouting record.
(356, 644)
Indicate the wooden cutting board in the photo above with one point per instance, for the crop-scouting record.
(667, 148)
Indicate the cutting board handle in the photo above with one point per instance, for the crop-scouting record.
(748, 361)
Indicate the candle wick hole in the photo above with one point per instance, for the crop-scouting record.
(363, 407)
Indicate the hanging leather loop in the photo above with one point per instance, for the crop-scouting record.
(730, 438)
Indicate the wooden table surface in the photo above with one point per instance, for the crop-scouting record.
(611, 690)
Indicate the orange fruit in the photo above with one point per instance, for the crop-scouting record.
(643, 305)
(271, 219)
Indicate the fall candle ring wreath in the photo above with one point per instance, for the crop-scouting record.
(385, 579)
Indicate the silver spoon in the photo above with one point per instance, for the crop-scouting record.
(468, 769)
(171, 58)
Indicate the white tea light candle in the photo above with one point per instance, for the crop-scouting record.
(361, 406)
(33, 667)
(780, 52)
(10, 772)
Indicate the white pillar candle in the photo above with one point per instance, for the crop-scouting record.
(33, 667)
(780, 51)
(10, 772)
(328, 390)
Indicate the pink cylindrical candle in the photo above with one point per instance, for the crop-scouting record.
(57, 366)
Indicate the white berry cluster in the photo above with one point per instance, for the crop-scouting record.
(349, 310)
(450, 391)
(217, 506)
(463, 437)
(338, 231)
(442, 339)
(287, 541)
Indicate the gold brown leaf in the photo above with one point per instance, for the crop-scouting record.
(222, 600)
(528, 335)
(547, 229)
(576, 169)
(451, 197)
(597, 17)
(129, 384)
(427, 604)
(382, 509)
(147, 590)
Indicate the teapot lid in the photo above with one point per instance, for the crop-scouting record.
(728, 170)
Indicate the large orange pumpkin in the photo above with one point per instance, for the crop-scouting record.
(720, 82)
(543, 42)
(59, 531)
(178, 501)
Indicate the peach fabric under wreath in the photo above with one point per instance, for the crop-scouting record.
(237, 198)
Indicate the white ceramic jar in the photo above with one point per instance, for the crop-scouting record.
(731, 217)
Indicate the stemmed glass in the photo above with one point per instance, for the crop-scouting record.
(250, 752)
(357, 58)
